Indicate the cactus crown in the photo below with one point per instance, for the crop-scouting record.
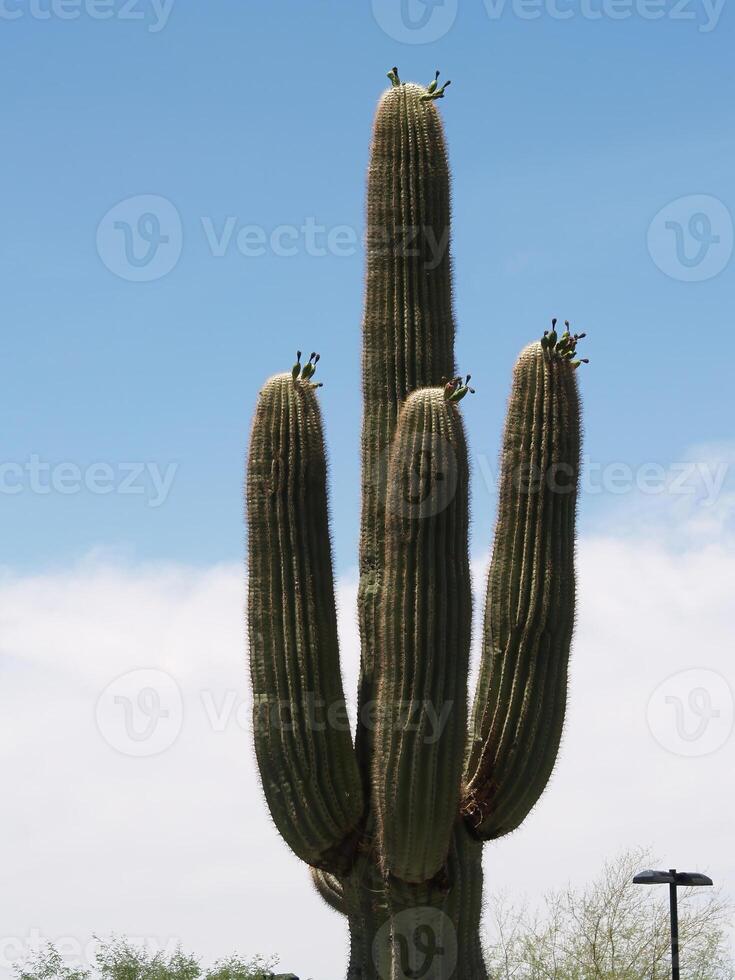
(394, 823)
(564, 346)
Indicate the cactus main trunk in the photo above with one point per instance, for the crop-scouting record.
(393, 826)
(408, 325)
(398, 931)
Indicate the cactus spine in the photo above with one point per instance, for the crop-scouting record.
(393, 827)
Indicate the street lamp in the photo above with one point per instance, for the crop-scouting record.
(674, 879)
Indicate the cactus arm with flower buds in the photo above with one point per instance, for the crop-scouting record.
(432, 89)
(308, 766)
(529, 607)
(423, 656)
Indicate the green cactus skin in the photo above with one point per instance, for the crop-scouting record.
(308, 766)
(331, 890)
(408, 324)
(373, 904)
(393, 828)
(529, 611)
(423, 653)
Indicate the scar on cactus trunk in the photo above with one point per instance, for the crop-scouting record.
(393, 825)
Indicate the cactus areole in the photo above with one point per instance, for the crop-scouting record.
(392, 823)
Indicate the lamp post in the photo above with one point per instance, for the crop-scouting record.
(674, 879)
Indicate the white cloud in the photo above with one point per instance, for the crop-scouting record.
(178, 845)
(684, 504)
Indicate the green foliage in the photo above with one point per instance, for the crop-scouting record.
(119, 959)
(49, 964)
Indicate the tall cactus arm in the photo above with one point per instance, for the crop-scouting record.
(408, 327)
(302, 739)
(529, 613)
(422, 657)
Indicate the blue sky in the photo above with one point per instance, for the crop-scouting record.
(567, 137)
(592, 148)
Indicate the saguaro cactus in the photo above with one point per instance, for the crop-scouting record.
(393, 825)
